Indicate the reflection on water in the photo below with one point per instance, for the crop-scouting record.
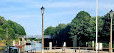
(35, 45)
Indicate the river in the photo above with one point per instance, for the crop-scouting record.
(36, 46)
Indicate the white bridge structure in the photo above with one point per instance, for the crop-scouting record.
(34, 36)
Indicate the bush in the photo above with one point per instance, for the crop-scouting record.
(105, 45)
(90, 44)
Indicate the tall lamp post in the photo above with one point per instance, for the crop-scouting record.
(42, 11)
(111, 15)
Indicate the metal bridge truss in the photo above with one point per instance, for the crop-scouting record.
(34, 36)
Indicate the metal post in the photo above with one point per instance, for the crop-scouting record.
(111, 15)
(96, 25)
(42, 36)
(42, 11)
(79, 49)
(111, 36)
(101, 51)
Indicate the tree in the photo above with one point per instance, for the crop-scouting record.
(2, 20)
(18, 29)
(2, 33)
(80, 27)
(80, 16)
(106, 28)
(84, 26)
(59, 30)
(50, 31)
(13, 28)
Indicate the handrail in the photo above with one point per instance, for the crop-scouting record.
(69, 49)
(76, 47)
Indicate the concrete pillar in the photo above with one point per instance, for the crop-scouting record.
(13, 42)
(86, 44)
(50, 45)
(93, 44)
(64, 44)
(100, 46)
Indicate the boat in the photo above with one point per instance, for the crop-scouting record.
(28, 42)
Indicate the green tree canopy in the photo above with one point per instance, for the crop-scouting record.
(50, 31)
(84, 26)
(14, 29)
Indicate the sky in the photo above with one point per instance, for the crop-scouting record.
(28, 12)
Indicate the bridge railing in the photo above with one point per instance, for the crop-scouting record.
(69, 50)
(76, 49)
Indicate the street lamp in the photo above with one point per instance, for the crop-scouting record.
(42, 11)
(111, 15)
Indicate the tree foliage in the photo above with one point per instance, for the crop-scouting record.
(49, 31)
(14, 29)
(84, 26)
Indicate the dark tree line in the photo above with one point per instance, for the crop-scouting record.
(84, 26)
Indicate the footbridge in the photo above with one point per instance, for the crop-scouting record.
(35, 36)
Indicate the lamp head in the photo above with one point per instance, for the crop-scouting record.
(111, 13)
(42, 10)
